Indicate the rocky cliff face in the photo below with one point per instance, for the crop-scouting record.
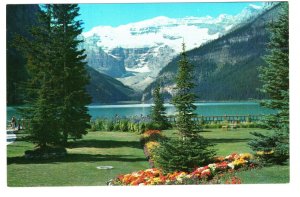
(226, 68)
(101, 61)
(136, 52)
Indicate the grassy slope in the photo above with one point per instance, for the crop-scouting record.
(123, 151)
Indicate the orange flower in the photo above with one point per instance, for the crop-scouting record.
(151, 132)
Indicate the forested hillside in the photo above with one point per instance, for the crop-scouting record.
(19, 19)
(226, 68)
(105, 89)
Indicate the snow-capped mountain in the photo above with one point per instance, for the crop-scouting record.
(135, 53)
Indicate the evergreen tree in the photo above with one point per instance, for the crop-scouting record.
(184, 98)
(176, 154)
(41, 94)
(275, 79)
(190, 150)
(57, 97)
(158, 112)
(73, 111)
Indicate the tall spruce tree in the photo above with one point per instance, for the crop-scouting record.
(74, 98)
(184, 98)
(275, 79)
(158, 112)
(40, 88)
(190, 150)
(57, 97)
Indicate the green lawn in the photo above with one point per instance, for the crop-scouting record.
(122, 151)
(266, 175)
(226, 141)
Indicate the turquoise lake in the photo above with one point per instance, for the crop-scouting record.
(205, 109)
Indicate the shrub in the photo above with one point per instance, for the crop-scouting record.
(116, 126)
(124, 125)
(271, 148)
(141, 127)
(183, 155)
(97, 125)
(109, 125)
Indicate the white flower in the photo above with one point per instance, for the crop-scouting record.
(135, 174)
(212, 167)
(179, 179)
(231, 165)
(204, 171)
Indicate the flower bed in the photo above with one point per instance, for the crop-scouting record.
(150, 139)
(200, 175)
(151, 135)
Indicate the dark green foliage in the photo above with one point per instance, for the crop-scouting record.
(190, 150)
(158, 112)
(124, 125)
(41, 96)
(276, 147)
(57, 77)
(275, 78)
(19, 19)
(184, 98)
(105, 89)
(73, 111)
(183, 155)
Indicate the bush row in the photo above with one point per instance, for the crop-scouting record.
(127, 125)
(215, 125)
(124, 125)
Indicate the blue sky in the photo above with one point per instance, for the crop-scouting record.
(118, 14)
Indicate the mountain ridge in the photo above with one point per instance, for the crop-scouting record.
(134, 53)
(225, 68)
(105, 89)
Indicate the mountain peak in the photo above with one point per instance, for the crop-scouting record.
(141, 49)
(256, 7)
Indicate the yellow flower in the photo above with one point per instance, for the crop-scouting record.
(270, 152)
(246, 156)
(239, 162)
(260, 152)
(152, 145)
(156, 180)
(265, 152)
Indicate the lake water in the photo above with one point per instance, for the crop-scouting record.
(205, 109)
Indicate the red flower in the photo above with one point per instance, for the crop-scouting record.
(234, 180)
(222, 166)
